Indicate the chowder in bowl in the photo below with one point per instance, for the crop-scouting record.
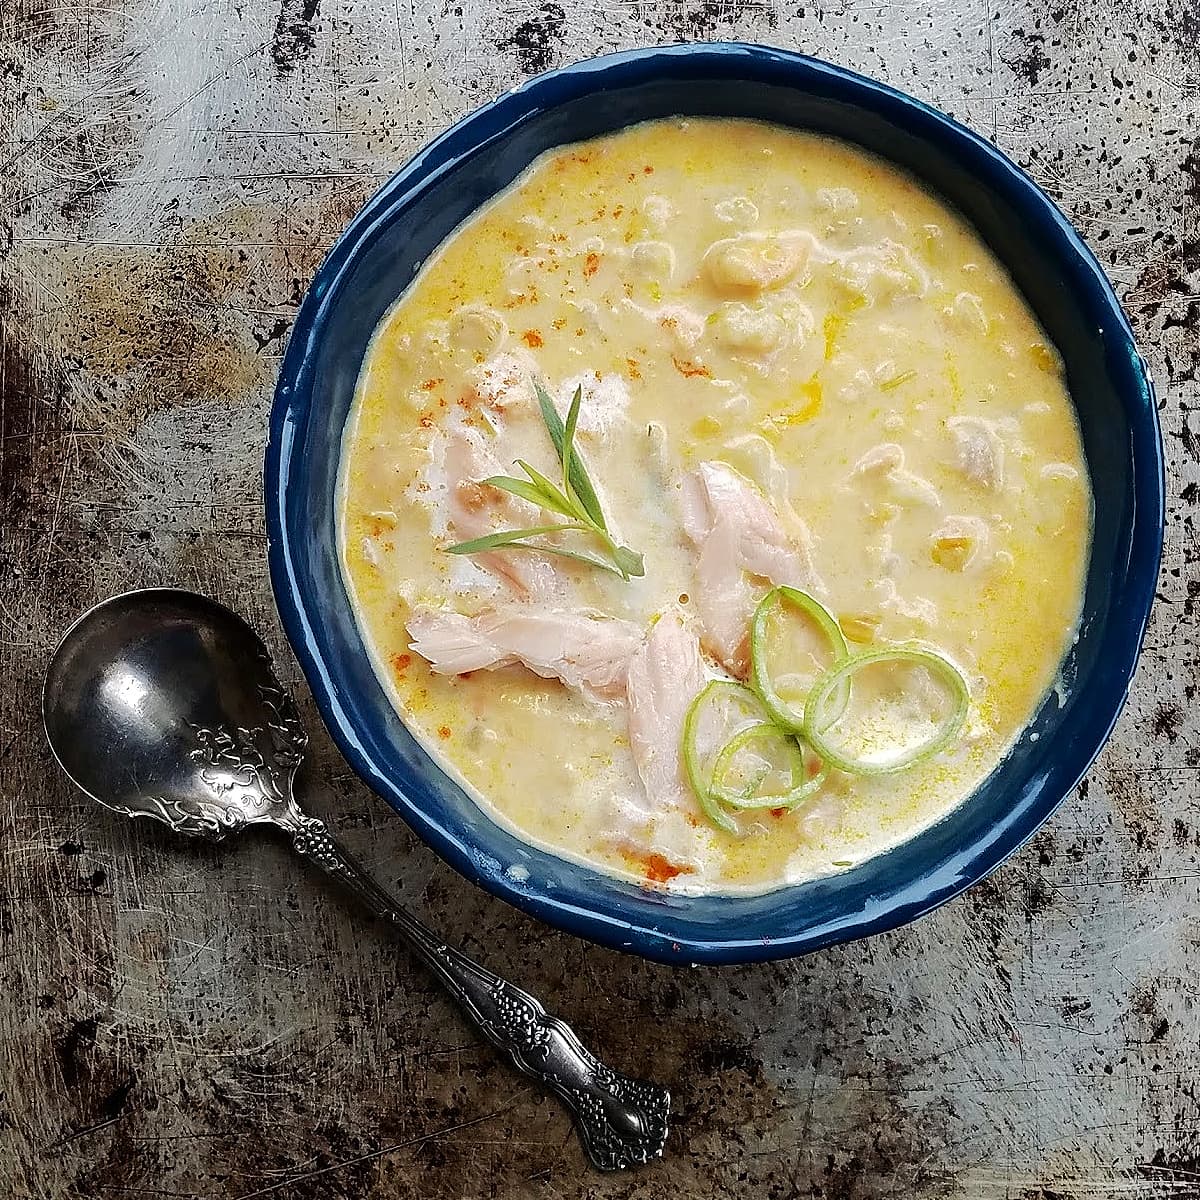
(838, 583)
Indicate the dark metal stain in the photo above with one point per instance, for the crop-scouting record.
(295, 33)
(1134, 796)
(1188, 319)
(114, 1103)
(734, 1082)
(21, 389)
(986, 902)
(78, 1039)
(891, 1147)
(1175, 1172)
(695, 22)
(1193, 595)
(1046, 846)
(151, 333)
(1038, 896)
(95, 881)
(70, 849)
(1191, 170)
(276, 333)
(728, 1056)
(1187, 435)
(1142, 838)
(11, 67)
(1168, 721)
(704, 19)
(1031, 60)
(84, 199)
(535, 41)
(1160, 279)
(1153, 1026)
(1180, 28)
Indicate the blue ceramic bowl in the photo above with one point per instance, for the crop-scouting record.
(381, 251)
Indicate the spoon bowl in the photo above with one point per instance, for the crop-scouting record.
(163, 703)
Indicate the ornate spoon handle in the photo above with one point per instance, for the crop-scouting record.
(621, 1121)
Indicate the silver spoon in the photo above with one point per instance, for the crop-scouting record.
(161, 703)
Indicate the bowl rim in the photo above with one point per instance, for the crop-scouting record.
(290, 410)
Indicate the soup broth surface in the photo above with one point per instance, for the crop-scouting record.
(773, 331)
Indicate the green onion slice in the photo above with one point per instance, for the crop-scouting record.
(795, 716)
(720, 711)
(754, 757)
(831, 687)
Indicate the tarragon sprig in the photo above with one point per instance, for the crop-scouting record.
(575, 498)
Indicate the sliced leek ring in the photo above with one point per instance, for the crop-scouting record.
(782, 713)
(829, 689)
(803, 784)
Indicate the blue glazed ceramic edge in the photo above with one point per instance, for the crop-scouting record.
(291, 409)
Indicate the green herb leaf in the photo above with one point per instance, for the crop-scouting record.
(567, 454)
(550, 416)
(561, 503)
(575, 474)
(629, 562)
(581, 485)
(576, 499)
(533, 492)
(506, 537)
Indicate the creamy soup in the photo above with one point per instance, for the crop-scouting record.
(795, 368)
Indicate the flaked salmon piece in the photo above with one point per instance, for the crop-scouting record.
(715, 494)
(475, 510)
(587, 651)
(659, 830)
(738, 535)
(665, 674)
(724, 598)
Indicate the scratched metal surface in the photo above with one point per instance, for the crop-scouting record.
(183, 1022)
